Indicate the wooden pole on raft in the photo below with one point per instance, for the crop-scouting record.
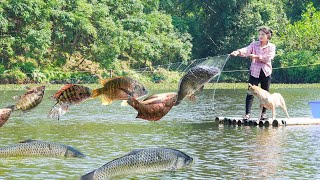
(275, 123)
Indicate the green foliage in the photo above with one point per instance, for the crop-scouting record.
(2, 69)
(13, 76)
(299, 46)
(39, 38)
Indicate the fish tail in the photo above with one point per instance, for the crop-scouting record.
(58, 110)
(132, 101)
(12, 107)
(96, 92)
(88, 176)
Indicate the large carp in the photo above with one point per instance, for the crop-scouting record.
(141, 161)
(154, 107)
(194, 80)
(31, 148)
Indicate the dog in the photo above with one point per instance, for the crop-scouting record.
(267, 100)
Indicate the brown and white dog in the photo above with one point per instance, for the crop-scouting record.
(267, 100)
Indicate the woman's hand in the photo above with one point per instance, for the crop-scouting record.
(253, 56)
(235, 53)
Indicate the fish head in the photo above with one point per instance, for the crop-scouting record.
(183, 160)
(40, 89)
(72, 152)
(84, 92)
(139, 90)
(4, 115)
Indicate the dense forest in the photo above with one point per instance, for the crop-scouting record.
(45, 40)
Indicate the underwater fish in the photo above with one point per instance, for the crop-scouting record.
(154, 107)
(112, 89)
(194, 80)
(37, 148)
(4, 115)
(30, 99)
(141, 161)
(69, 94)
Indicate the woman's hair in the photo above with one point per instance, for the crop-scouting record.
(266, 30)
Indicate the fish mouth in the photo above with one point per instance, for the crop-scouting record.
(189, 161)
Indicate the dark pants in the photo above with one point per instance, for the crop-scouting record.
(265, 84)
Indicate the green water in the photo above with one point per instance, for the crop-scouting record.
(104, 133)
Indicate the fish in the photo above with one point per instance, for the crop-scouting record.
(194, 80)
(154, 107)
(38, 148)
(141, 161)
(69, 94)
(113, 89)
(30, 99)
(4, 115)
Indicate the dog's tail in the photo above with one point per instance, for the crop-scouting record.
(284, 107)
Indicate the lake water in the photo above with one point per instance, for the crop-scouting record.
(104, 133)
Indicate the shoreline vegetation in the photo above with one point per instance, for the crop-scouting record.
(161, 86)
(53, 41)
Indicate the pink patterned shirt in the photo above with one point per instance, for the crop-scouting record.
(265, 53)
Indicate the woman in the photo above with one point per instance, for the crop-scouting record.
(261, 53)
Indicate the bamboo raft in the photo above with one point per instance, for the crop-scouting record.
(237, 121)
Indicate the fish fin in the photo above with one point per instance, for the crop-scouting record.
(27, 141)
(132, 101)
(139, 115)
(124, 103)
(52, 97)
(96, 92)
(104, 81)
(58, 110)
(135, 151)
(192, 97)
(105, 100)
(200, 89)
(16, 98)
(12, 107)
(88, 176)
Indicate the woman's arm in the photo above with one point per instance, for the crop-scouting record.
(267, 57)
(243, 52)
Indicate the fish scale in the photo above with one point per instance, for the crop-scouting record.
(113, 89)
(194, 80)
(69, 94)
(39, 148)
(30, 99)
(141, 161)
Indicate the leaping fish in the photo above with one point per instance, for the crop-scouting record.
(30, 99)
(37, 148)
(68, 95)
(113, 89)
(194, 80)
(4, 115)
(154, 107)
(141, 161)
